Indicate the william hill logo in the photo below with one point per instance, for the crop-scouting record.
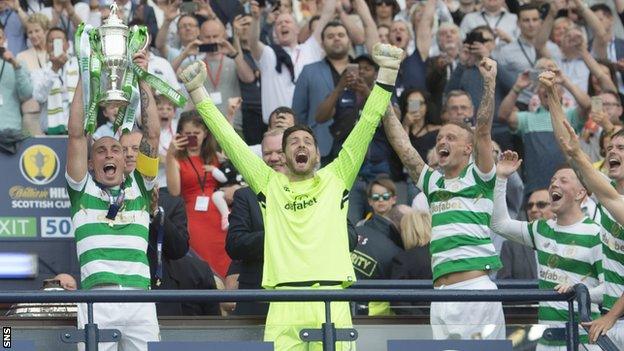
(301, 203)
(39, 164)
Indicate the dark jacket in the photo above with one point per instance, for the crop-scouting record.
(245, 243)
(372, 257)
(414, 263)
(518, 261)
(179, 270)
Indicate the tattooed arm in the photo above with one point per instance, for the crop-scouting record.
(150, 125)
(483, 131)
(402, 146)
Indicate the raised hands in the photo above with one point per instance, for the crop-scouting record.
(389, 58)
(508, 163)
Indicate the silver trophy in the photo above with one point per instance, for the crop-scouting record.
(114, 35)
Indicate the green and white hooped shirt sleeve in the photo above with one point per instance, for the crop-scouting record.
(423, 182)
(77, 185)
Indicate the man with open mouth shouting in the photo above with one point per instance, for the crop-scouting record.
(111, 219)
(460, 202)
(610, 212)
(305, 211)
(568, 247)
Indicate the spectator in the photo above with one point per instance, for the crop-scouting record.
(458, 108)
(67, 15)
(383, 11)
(12, 26)
(536, 131)
(122, 232)
(281, 64)
(187, 31)
(15, 88)
(519, 260)
(35, 58)
(66, 281)
(189, 174)
(131, 11)
(416, 120)
(615, 46)
(502, 24)
(415, 261)
(466, 77)
(381, 194)
(413, 69)
(521, 55)
(168, 127)
(465, 7)
(578, 258)
(321, 88)
(54, 85)
(225, 66)
(253, 126)
(106, 119)
(439, 68)
(599, 120)
(384, 33)
(245, 238)
(372, 257)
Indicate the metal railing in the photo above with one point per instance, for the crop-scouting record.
(328, 333)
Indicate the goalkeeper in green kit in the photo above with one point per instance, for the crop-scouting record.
(305, 211)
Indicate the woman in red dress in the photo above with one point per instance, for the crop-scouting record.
(191, 160)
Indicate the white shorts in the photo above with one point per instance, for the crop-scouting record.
(616, 334)
(468, 320)
(137, 322)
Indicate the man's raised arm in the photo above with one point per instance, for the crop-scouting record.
(77, 153)
(593, 180)
(402, 146)
(353, 150)
(251, 167)
(150, 123)
(485, 114)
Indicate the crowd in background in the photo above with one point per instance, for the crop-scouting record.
(271, 65)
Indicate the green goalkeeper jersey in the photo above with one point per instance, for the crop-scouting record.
(305, 222)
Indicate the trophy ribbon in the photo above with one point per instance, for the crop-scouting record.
(83, 53)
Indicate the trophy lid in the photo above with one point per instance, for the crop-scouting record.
(113, 19)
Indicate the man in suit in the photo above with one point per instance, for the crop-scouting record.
(615, 46)
(245, 239)
(317, 81)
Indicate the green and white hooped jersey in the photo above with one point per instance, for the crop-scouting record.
(566, 255)
(612, 238)
(461, 209)
(111, 251)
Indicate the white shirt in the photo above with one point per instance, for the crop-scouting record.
(166, 136)
(506, 21)
(161, 68)
(278, 88)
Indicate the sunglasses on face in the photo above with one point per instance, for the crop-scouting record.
(379, 197)
(384, 2)
(540, 205)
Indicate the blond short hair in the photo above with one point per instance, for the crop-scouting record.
(415, 229)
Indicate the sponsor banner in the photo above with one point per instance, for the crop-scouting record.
(210, 346)
(449, 345)
(35, 201)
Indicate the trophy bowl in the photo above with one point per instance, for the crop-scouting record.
(114, 34)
